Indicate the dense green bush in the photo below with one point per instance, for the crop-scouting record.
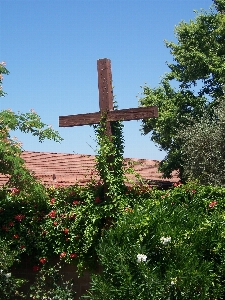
(169, 247)
(203, 147)
(9, 285)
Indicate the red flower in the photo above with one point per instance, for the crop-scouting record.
(127, 209)
(19, 217)
(76, 202)
(193, 191)
(43, 260)
(52, 201)
(55, 223)
(212, 204)
(97, 200)
(63, 254)
(66, 230)
(15, 191)
(11, 224)
(22, 247)
(177, 184)
(36, 268)
(73, 255)
(52, 214)
(15, 236)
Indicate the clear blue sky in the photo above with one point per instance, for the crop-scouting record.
(51, 49)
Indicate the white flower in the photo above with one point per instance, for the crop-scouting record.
(165, 240)
(173, 281)
(141, 257)
(7, 275)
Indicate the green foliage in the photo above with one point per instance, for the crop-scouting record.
(203, 148)
(169, 247)
(199, 71)
(50, 284)
(11, 163)
(9, 285)
(109, 159)
(220, 5)
(66, 223)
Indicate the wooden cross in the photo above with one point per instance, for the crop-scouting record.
(106, 104)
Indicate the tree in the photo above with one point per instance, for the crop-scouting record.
(11, 163)
(203, 148)
(199, 71)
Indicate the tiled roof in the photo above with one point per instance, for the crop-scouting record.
(68, 169)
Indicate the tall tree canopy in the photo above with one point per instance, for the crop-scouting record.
(198, 69)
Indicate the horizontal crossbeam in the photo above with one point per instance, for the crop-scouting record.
(114, 115)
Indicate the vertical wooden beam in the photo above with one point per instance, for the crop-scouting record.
(105, 102)
(105, 90)
(105, 84)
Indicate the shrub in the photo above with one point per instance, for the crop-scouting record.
(9, 285)
(203, 147)
(169, 247)
(50, 284)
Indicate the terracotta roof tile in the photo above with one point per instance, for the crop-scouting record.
(68, 169)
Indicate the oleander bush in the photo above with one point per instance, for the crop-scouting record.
(171, 246)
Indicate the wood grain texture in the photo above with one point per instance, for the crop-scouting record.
(114, 115)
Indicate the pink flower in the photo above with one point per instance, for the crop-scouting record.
(63, 254)
(52, 214)
(15, 191)
(212, 204)
(52, 201)
(76, 202)
(19, 217)
(43, 260)
(66, 230)
(127, 209)
(177, 184)
(73, 255)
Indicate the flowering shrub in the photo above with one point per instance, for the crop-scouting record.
(9, 285)
(180, 235)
